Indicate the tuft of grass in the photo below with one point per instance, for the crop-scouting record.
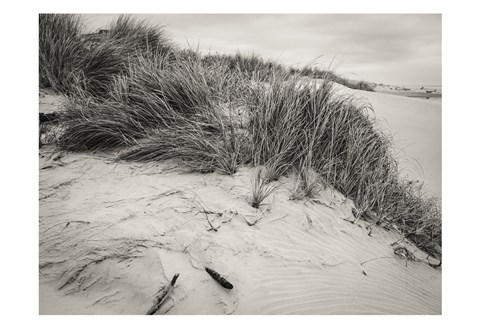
(70, 60)
(60, 50)
(139, 36)
(99, 67)
(261, 188)
(160, 110)
(190, 143)
(96, 124)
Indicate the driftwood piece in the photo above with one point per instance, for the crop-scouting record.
(163, 295)
(217, 277)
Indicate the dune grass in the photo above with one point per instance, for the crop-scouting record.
(139, 36)
(316, 73)
(59, 48)
(70, 62)
(250, 66)
(150, 101)
(261, 187)
(161, 110)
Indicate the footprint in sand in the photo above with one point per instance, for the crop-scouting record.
(228, 299)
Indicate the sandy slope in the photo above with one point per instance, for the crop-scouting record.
(416, 126)
(111, 234)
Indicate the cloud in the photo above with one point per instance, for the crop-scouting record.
(392, 48)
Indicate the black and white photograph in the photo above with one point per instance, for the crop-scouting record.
(240, 164)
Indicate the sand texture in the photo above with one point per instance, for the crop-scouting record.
(112, 234)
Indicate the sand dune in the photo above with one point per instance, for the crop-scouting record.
(416, 127)
(111, 234)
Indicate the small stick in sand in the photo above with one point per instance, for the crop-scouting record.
(217, 277)
(163, 295)
(210, 223)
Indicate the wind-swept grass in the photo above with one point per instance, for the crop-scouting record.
(139, 36)
(161, 110)
(191, 144)
(60, 49)
(69, 62)
(187, 106)
(99, 68)
(294, 123)
(250, 66)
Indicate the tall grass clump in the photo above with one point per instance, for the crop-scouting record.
(128, 40)
(283, 124)
(139, 36)
(99, 68)
(191, 108)
(69, 61)
(199, 147)
(160, 110)
(294, 123)
(97, 124)
(60, 50)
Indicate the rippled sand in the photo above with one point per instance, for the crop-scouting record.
(113, 233)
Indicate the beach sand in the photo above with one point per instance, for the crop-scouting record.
(416, 127)
(113, 233)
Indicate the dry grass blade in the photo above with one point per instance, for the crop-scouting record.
(261, 188)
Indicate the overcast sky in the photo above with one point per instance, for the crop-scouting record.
(396, 49)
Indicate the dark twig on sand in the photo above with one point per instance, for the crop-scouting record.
(162, 295)
(218, 278)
